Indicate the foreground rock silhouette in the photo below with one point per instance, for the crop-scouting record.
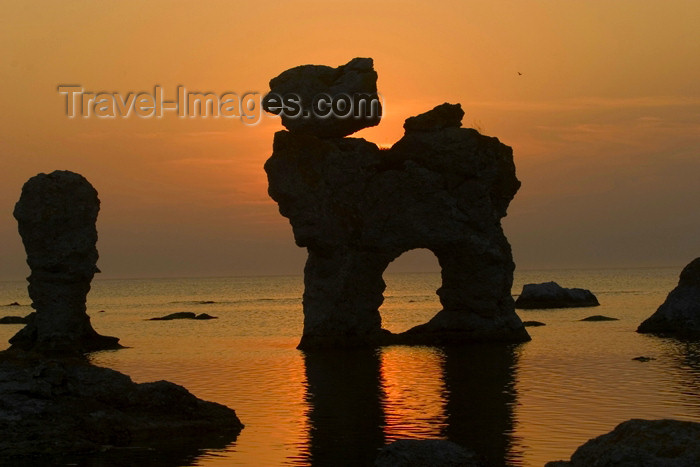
(356, 208)
(61, 406)
(53, 402)
(641, 443)
(56, 214)
(426, 453)
(679, 315)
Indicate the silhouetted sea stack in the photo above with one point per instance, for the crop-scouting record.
(679, 315)
(54, 403)
(56, 214)
(552, 295)
(356, 208)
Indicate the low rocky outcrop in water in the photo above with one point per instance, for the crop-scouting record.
(599, 318)
(63, 406)
(533, 324)
(183, 315)
(679, 315)
(425, 453)
(641, 443)
(552, 295)
(56, 215)
(356, 208)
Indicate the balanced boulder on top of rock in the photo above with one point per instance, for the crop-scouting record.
(356, 208)
(680, 314)
(56, 214)
(328, 102)
(552, 295)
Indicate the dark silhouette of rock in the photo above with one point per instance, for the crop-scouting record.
(598, 318)
(356, 208)
(182, 315)
(425, 453)
(642, 358)
(679, 315)
(14, 319)
(13, 304)
(62, 406)
(552, 295)
(56, 214)
(533, 324)
(355, 82)
(641, 443)
(204, 316)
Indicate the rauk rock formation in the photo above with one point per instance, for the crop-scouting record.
(679, 315)
(53, 401)
(356, 208)
(552, 295)
(56, 214)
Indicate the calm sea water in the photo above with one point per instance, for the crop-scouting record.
(516, 405)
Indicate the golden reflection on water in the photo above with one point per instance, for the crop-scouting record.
(414, 392)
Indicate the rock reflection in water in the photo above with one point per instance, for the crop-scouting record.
(361, 400)
(345, 412)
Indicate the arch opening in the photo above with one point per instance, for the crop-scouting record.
(410, 297)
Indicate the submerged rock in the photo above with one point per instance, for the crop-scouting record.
(62, 406)
(356, 208)
(641, 443)
(552, 295)
(533, 324)
(598, 318)
(355, 82)
(56, 214)
(425, 453)
(679, 315)
(183, 315)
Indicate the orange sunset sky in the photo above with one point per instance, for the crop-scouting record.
(604, 120)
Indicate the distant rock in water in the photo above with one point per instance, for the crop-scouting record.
(356, 208)
(552, 295)
(56, 214)
(14, 319)
(598, 318)
(642, 358)
(533, 324)
(183, 315)
(57, 407)
(679, 315)
(641, 443)
(355, 83)
(425, 453)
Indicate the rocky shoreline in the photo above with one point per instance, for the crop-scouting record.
(64, 406)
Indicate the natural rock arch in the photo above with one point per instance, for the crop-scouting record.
(356, 208)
